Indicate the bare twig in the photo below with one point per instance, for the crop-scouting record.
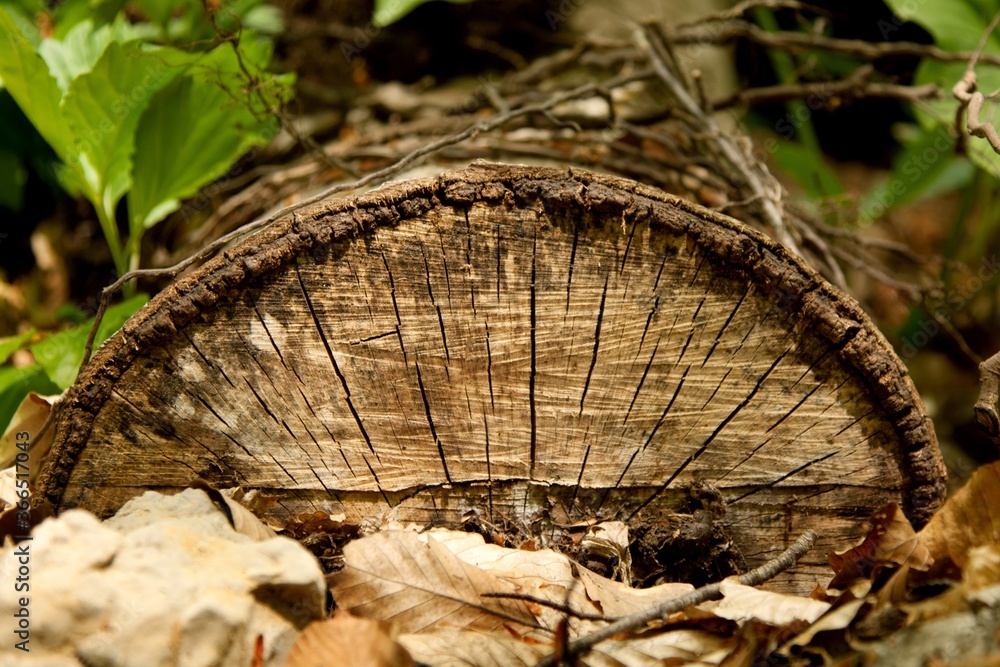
(563, 608)
(710, 592)
(986, 406)
(743, 8)
(768, 193)
(855, 87)
(970, 100)
(414, 156)
(797, 42)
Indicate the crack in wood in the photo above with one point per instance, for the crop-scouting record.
(374, 337)
(666, 410)
(717, 388)
(782, 478)
(534, 368)
(489, 366)
(583, 466)
(642, 381)
(213, 366)
(434, 304)
(793, 409)
(468, 261)
(283, 468)
(333, 361)
(649, 320)
(725, 324)
(628, 246)
(597, 343)
(572, 261)
(430, 422)
(267, 330)
(395, 305)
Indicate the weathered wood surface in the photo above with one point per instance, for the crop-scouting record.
(499, 339)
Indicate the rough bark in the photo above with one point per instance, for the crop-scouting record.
(506, 339)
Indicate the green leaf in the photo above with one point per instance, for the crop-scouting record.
(927, 165)
(185, 140)
(60, 355)
(195, 128)
(808, 169)
(390, 11)
(15, 383)
(102, 108)
(81, 48)
(27, 79)
(12, 344)
(70, 13)
(956, 26)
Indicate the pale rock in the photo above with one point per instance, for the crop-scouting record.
(166, 582)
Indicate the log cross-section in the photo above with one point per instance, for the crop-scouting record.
(501, 339)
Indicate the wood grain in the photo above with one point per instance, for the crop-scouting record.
(501, 340)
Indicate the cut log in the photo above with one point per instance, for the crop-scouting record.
(508, 339)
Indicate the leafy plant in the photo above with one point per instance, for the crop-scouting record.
(955, 25)
(57, 357)
(135, 121)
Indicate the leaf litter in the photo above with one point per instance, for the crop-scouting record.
(450, 597)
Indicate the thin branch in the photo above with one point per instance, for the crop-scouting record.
(414, 156)
(542, 602)
(797, 42)
(741, 9)
(986, 406)
(769, 194)
(970, 100)
(710, 592)
(855, 87)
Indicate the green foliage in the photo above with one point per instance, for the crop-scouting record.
(134, 120)
(803, 160)
(57, 358)
(956, 25)
(390, 11)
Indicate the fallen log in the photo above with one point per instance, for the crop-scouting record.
(508, 341)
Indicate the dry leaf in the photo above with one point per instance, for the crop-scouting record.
(741, 603)
(347, 640)
(970, 518)
(890, 540)
(475, 649)
(837, 619)
(422, 586)
(29, 418)
(548, 575)
(609, 542)
(451, 648)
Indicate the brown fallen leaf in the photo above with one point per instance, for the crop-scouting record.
(891, 540)
(450, 648)
(349, 641)
(422, 586)
(29, 418)
(970, 518)
(552, 576)
(742, 603)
